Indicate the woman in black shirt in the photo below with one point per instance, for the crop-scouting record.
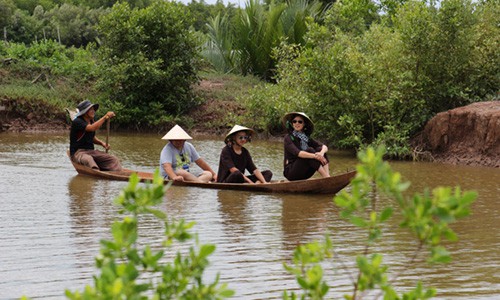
(304, 156)
(235, 158)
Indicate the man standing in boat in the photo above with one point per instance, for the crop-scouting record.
(82, 139)
(177, 155)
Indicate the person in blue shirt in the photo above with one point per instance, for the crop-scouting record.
(178, 154)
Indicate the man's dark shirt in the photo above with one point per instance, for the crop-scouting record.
(79, 138)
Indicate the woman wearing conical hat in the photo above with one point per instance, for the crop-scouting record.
(176, 158)
(304, 156)
(235, 159)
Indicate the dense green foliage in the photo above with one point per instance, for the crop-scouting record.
(427, 216)
(245, 44)
(52, 57)
(46, 74)
(70, 24)
(368, 72)
(201, 12)
(148, 59)
(377, 80)
(131, 271)
(73, 23)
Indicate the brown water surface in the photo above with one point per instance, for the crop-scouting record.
(51, 221)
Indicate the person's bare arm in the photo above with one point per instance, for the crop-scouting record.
(205, 167)
(317, 155)
(171, 173)
(259, 176)
(97, 124)
(99, 142)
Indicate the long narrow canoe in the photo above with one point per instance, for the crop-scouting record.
(330, 185)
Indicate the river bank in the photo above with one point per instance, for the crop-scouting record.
(468, 135)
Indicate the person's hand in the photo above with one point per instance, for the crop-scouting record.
(110, 115)
(106, 146)
(321, 158)
(178, 178)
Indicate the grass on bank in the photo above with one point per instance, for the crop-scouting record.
(220, 97)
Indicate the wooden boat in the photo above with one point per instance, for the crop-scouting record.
(330, 185)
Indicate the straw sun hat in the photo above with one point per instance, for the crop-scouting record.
(308, 126)
(176, 133)
(235, 129)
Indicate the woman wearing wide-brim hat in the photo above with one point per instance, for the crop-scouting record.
(235, 159)
(304, 156)
(178, 154)
(82, 139)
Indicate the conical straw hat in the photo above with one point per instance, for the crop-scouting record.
(237, 128)
(176, 133)
(289, 116)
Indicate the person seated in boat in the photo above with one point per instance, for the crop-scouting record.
(82, 139)
(304, 156)
(235, 158)
(178, 154)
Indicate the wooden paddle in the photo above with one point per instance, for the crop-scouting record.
(107, 134)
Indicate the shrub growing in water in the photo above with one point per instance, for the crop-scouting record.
(124, 265)
(427, 216)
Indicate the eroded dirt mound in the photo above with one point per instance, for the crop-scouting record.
(467, 135)
(19, 115)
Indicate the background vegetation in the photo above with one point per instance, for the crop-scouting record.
(369, 78)
(368, 72)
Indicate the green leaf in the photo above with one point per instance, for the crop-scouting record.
(386, 214)
(206, 250)
(358, 221)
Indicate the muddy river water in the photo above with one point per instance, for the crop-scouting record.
(51, 222)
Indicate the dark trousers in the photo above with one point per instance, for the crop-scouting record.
(237, 177)
(301, 168)
(96, 159)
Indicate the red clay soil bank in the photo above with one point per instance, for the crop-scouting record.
(468, 135)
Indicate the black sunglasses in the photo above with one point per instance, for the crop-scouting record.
(297, 121)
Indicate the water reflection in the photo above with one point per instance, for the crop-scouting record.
(304, 218)
(233, 209)
(80, 190)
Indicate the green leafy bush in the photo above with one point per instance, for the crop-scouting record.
(427, 216)
(46, 76)
(379, 84)
(130, 271)
(53, 58)
(148, 62)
